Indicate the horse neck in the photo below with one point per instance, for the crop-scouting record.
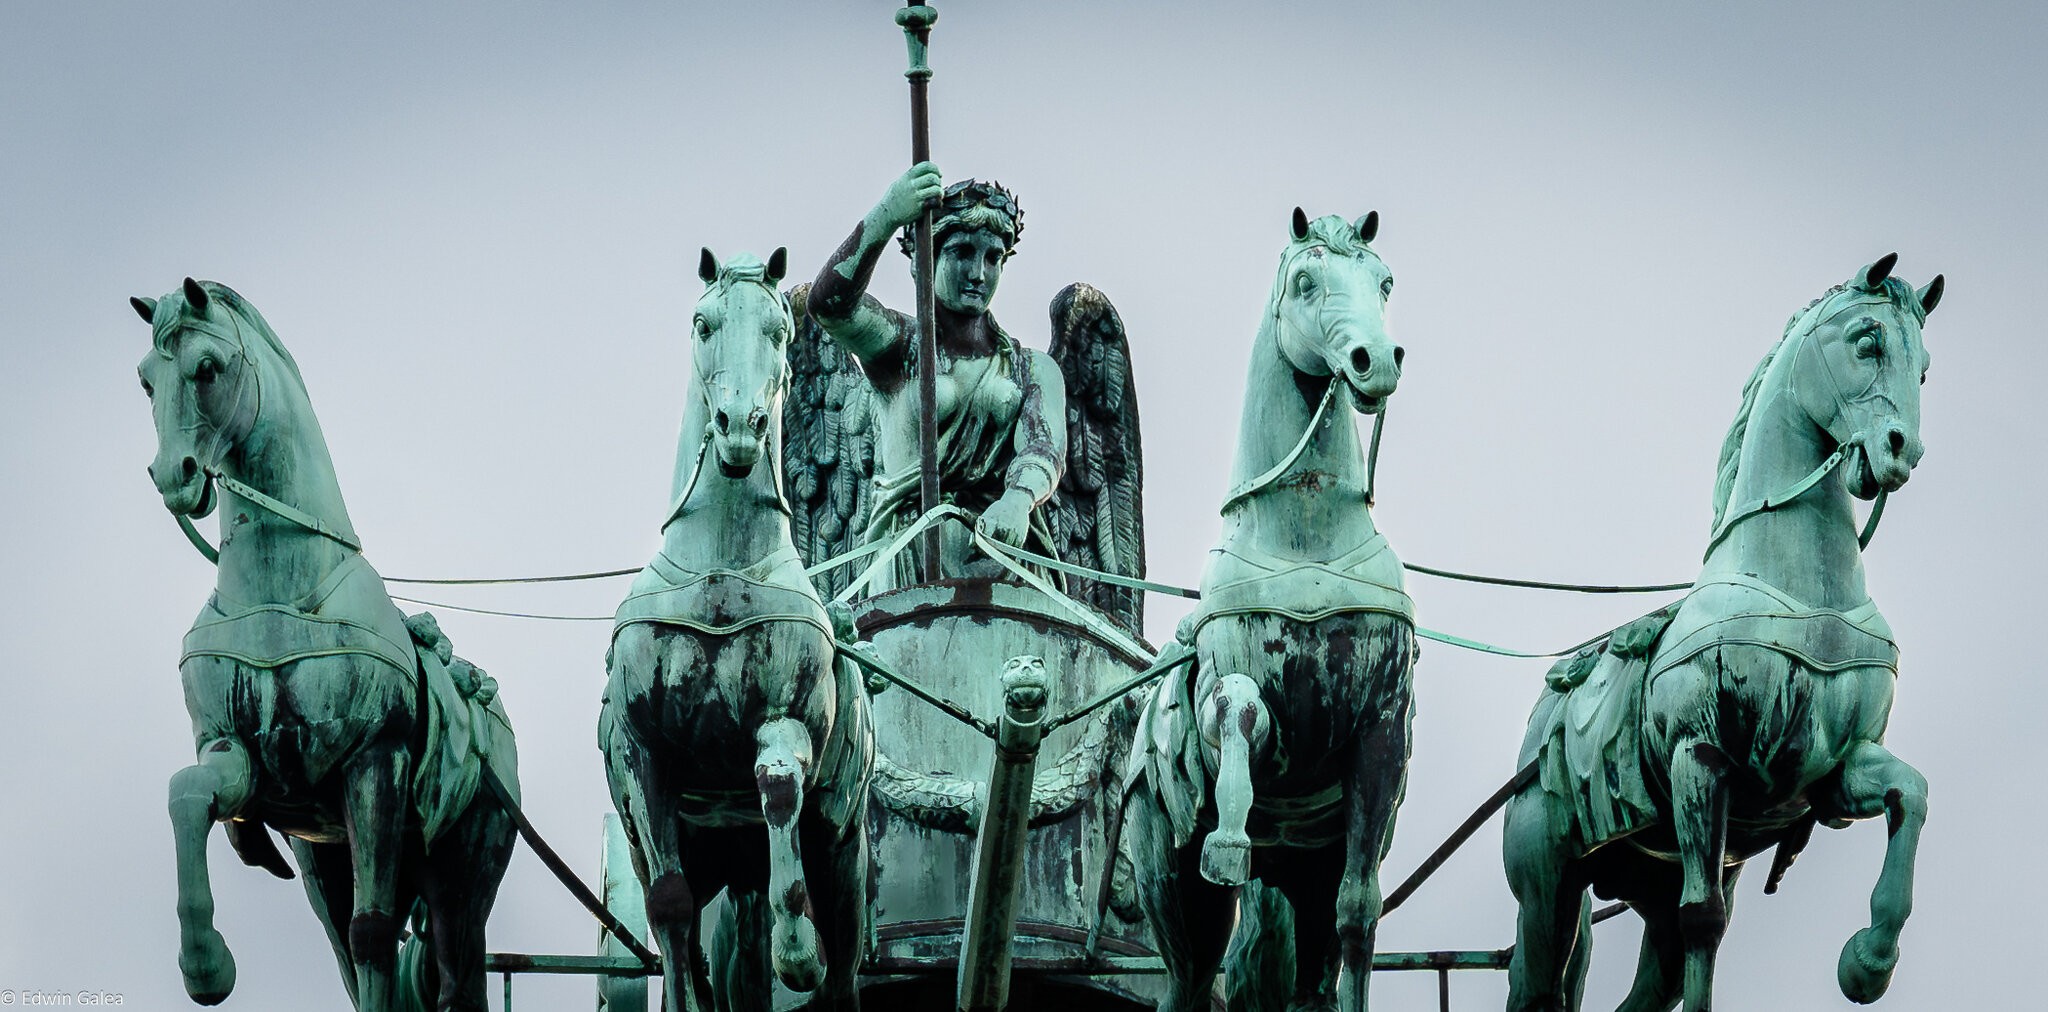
(726, 523)
(1320, 499)
(1807, 547)
(265, 558)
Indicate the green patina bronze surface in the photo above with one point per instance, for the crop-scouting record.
(1281, 754)
(736, 740)
(318, 709)
(1707, 734)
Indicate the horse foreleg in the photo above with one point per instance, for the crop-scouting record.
(840, 865)
(1874, 782)
(1699, 816)
(780, 768)
(374, 810)
(213, 789)
(1379, 774)
(1242, 727)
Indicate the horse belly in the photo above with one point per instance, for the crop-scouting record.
(1325, 684)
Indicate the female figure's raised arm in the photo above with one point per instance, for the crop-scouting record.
(839, 300)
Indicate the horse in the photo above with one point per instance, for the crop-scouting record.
(738, 741)
(1699, 736)
(1287, 739)
(319, 710)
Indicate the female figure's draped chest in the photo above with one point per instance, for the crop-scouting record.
(978, 399)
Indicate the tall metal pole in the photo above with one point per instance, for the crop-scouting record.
(916, 20)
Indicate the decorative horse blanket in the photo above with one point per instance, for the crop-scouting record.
(350, 614)
(1586, 732)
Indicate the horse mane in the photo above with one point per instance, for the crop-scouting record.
(1895, 290)
(172, 308)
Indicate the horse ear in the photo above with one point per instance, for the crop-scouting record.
(778, 264)
(1368, 226)
(707, 266)
(1930, 296)
(1874, 275)
(1300, 225)
(146, 308)
(195, 297)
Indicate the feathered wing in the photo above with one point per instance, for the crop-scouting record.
(828, 445)
(1098, 516)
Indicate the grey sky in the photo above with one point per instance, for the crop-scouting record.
(475, 226)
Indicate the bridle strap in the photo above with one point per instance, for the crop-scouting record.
(1272, 474)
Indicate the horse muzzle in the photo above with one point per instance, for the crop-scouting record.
(1884, 462)
(186, 490)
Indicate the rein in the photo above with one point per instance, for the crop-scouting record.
(1272, 474)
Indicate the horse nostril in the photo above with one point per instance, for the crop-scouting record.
(757, 419)
(1898, 442)
(1361, 361)
(1399, 354)
(191, 468)
(722, 421)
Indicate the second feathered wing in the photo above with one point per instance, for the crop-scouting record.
(1097, 514)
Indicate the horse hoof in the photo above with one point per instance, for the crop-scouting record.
(795, 953)
(208, 968)
(1863, 974)
(1227, 858)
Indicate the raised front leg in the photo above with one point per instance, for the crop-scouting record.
(1699, 815)
(780, 768)
(1235, 723)
(1876, 782)
(375, 813)
(211, 790)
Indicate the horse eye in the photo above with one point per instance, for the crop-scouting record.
(1387, 288)
(206, 372)
(700, 328)
(1869, 346)
(1303, 283)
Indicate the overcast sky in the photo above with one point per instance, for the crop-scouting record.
(476, 227)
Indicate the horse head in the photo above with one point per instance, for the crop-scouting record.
(742, 327)
(204, 389)
(1329, 306)
(1858, 370)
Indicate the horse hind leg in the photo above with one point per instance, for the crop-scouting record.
(1242, 728)
(1876, 782)
(780, 768)
(212, 789)
(461, 886)
(1549, 898)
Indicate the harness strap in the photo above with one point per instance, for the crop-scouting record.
(1272, 474)
(1799, 488)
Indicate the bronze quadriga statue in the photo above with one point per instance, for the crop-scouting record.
(318, 709)
(1282, 752)
(1733, 723)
